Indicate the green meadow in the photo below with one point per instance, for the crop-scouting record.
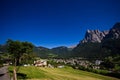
(66, 73)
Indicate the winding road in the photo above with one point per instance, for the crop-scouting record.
(4, 75)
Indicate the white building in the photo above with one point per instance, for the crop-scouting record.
(40, 63)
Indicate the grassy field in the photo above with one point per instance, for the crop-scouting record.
(67, 73)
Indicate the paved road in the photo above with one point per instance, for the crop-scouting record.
(4, 75)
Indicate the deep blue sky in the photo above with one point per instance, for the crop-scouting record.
(51, 23)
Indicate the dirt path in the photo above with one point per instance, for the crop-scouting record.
(4, 75)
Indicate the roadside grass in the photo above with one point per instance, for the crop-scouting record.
(67, 73)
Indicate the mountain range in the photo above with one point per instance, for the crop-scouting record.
(95, 44)
(90, 47)
(57, 52)
(99, 44)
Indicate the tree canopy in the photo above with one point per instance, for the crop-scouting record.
(17, 49)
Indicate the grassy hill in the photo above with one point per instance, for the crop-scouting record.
(67, 73)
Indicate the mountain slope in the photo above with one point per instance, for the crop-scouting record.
(99, 44)
(44, 52)
(62, 51)
(111, 42)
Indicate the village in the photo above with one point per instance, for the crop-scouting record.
(60, 63)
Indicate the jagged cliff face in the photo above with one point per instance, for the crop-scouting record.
(94, 36)
(98, 36)
(114, 32)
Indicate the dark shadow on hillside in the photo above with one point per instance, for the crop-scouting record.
(1, 75)
(20, 75)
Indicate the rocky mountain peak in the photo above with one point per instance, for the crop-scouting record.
(114, 32)
(94, 36)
